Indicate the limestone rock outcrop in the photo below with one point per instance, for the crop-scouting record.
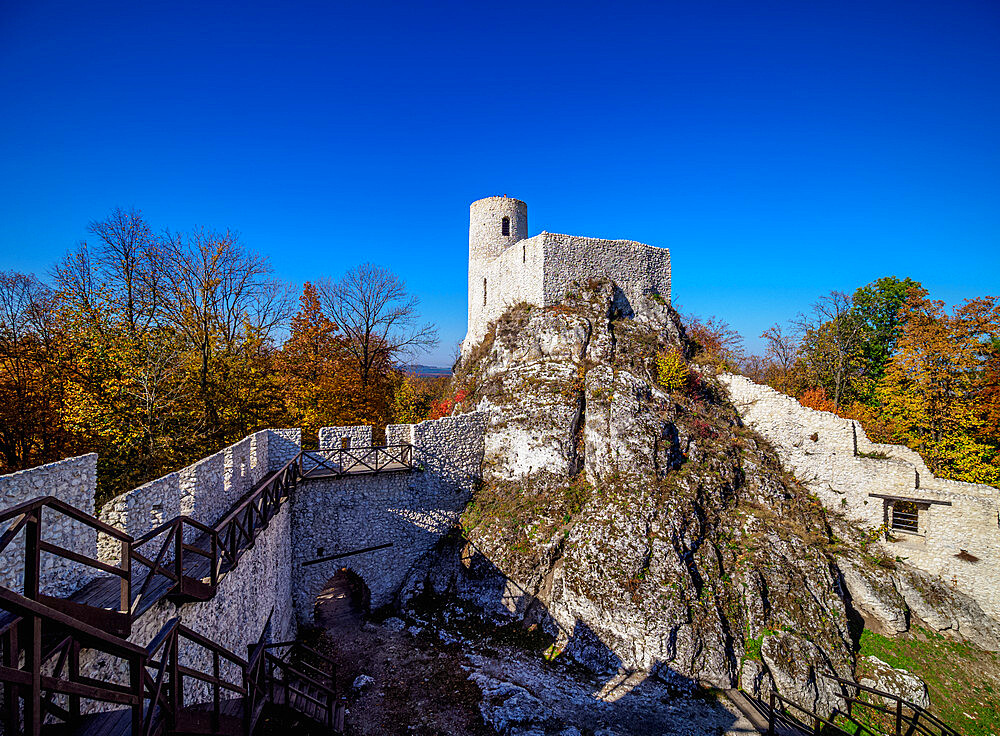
(641, 525)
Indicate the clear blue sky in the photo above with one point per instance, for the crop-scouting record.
(780, 150)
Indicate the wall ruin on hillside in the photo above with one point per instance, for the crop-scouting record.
(540, 270)
(958, 531)
(411, 510)
(73, 481)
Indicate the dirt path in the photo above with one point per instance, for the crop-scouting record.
(431, 679)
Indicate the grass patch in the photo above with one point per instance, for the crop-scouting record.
(877, 455)
(963, 681)
(753, 645)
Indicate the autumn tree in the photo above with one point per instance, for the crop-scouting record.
(832, 346)
(31, 426)
(380, 328)
(311, 366)
(877, 306)
(226, 308)
(714, 342)
(780, 357)
(934, 382)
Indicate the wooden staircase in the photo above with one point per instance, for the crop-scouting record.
(42, 637)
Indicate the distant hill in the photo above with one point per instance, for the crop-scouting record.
(427, 371)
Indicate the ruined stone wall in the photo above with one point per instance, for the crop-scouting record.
(636, 268)
(412, 510)
(542, 269)
(332, 438)
(73, 481)
(205, 490)
(827, 453)
(515, 276)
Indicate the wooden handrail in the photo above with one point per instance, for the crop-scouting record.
(65, 508)
(26, 607)
(913, 719)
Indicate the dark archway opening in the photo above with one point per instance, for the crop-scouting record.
(344, 600)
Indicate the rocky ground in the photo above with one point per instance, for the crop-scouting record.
(448, 674)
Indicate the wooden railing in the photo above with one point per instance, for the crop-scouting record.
(31, 685)
(337, 462)
(42, 682)
(907, 719)
(291, 677)
(28, 520)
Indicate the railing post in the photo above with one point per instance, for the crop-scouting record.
(33, 660)
(215, 558)
(770, 716)
(179, 555)
(12, 718)
(136, 668)
(177, 692)
(899, 717)
(126, 581)
(216, 696)
(74, 674)
(32, 554)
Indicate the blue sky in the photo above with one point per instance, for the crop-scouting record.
(779, 149)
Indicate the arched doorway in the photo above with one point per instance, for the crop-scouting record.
(343, 601)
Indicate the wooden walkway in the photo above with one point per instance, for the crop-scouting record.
(104, 592)
(182, 560)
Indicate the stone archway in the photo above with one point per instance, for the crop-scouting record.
(344, 600)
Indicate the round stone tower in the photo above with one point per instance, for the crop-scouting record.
(495, 223)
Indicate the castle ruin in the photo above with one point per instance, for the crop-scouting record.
(506, 267)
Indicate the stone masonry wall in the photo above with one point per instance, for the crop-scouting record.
(412, 510)
(332, 438)
(204, 490)
(515, 276)
(73, 481)
(827, 454)
(540, 270)
(636, 268)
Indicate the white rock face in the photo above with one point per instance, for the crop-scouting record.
(636, 525)
(877, 600)
(897, 682)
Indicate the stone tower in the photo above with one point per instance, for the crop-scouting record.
(495, 223)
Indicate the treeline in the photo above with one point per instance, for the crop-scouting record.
(910, 370)
(154, 350)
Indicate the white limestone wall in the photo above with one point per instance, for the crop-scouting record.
(205, 490)
(412, 510)
(542, 269)
(822, 450)
(257, 588)
(515, 276)
(73, 481)
(332, 438)
(638, 269)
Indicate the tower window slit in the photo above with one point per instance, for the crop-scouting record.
(524, 254)
(505, 226)
(484, 292)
